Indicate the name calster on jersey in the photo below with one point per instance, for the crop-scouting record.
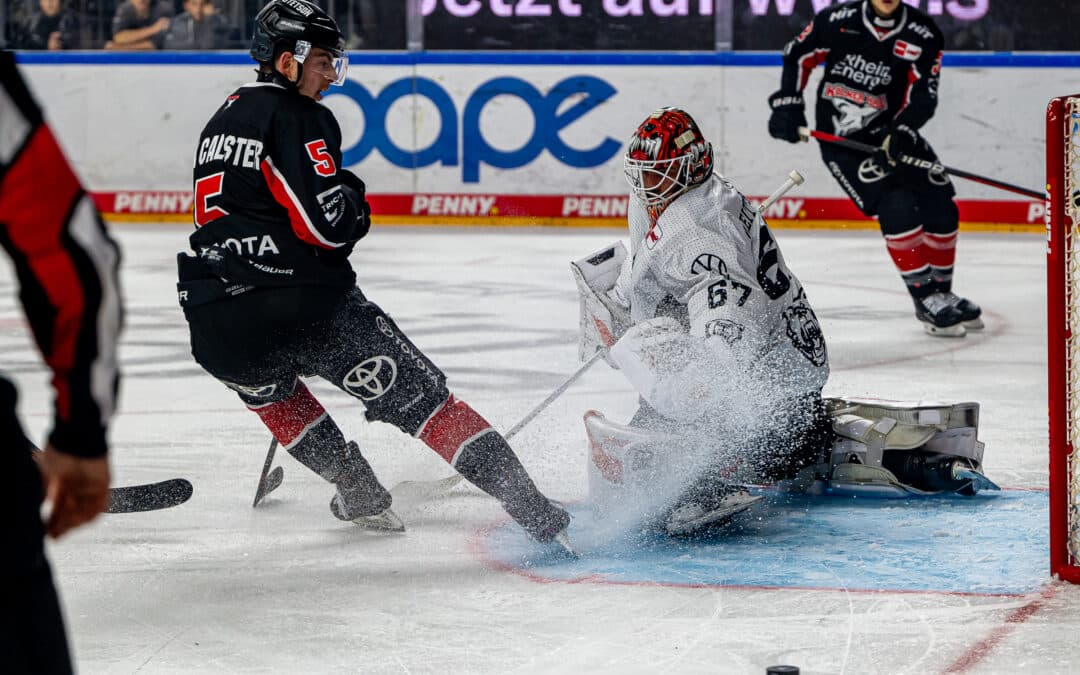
(240, 151)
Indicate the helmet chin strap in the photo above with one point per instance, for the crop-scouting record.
(275, 76)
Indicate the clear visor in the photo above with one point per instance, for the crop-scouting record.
(333, 65)
(655, 182)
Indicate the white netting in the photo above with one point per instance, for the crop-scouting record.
(1070, 218)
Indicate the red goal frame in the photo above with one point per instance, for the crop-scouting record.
(1063, 331)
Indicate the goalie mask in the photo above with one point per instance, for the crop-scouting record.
(666, 156)
(298, 26)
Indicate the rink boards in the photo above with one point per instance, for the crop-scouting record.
(532, 138)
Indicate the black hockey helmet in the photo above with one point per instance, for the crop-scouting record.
(297, 25)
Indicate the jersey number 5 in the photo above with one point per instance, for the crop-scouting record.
(206, 189)
(324, 163)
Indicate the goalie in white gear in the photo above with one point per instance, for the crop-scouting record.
(717, 335)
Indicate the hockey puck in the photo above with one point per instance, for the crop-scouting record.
(782, 670)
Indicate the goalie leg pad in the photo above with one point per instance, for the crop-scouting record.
(902, 447)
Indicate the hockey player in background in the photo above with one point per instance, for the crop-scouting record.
(718, 337)
(270, 294)
(880, 86)
(67, 269)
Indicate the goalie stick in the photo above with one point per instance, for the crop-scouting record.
(424, 489)
(806, 134)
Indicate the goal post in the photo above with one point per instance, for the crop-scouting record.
(1063, 332)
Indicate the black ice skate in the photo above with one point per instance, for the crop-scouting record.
(970, 313)
(361, 498)
(714, 507)
(939, 316)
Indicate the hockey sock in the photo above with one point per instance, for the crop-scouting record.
(908, 252)
(306, 431)
(465, 439)
(941, 254)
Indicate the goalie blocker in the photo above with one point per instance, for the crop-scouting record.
(602, 318)
(883, 449)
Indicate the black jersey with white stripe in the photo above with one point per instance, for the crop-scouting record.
(270, 205)
(877, 71)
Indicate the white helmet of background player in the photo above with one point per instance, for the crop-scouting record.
(297, 26)
(666, 156)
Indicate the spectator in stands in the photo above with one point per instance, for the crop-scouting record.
(141, 24)
(199, 26)
(51, 26)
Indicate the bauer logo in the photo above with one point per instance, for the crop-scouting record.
(481, 126)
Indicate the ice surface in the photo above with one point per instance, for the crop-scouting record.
(215, 586)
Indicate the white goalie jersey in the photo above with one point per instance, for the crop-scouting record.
(711, 264)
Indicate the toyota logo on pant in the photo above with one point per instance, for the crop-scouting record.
(371, 379)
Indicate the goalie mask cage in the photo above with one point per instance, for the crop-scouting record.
(1063, 331)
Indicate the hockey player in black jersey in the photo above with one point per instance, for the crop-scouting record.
(882, 63)
(270, 295)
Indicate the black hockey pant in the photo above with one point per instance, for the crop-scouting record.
(915, 209)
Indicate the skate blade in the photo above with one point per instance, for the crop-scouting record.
(387, 521)
(953, 331)
(974, 324)
(978, 481)
(734, 505)
(564, 542)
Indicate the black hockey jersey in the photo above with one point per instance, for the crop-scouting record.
(876, 70)
(272, 205)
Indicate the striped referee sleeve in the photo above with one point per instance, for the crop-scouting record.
(67, 266)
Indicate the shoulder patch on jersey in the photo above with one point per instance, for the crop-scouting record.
(805, 334)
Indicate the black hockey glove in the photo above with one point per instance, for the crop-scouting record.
(901, 141)
(356, 191)
(788, 114)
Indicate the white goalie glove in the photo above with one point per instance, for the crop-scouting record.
(603, 315)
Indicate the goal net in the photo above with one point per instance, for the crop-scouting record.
(1063, 327)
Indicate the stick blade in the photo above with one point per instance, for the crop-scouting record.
(149, 497)
(422, 490)
(272, 482)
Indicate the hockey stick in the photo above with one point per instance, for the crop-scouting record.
(806, 134)
(145, 497)
(150, 496)
(268, 480)
(421, 489)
